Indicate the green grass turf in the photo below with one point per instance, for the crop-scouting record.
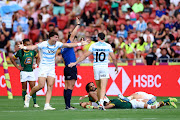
(13, 110)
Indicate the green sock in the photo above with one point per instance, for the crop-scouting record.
(97, 102)
(23, 94)
(166, 102)
(34, 98)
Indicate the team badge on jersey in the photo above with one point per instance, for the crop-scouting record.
(28, 60)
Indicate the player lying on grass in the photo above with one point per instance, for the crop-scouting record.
(92, 94)
(135, 103)
(139, 95)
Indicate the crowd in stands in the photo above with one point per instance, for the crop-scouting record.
(140, 31)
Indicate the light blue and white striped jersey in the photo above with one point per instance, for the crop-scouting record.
(100, 52)
(48, 52)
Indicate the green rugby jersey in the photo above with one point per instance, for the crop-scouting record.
(26, 59)
(122, 104)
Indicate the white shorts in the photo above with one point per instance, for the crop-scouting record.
(27, 76)
(45, 71)
(137, 103)
(100, 73)
(145, 95)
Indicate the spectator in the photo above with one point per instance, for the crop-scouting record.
(177, 23)
(170, 24)
(79, 54)
(120, 45)
(81, 33)
(128, 26)
(60, 33)
(177, 11)
(148, 33)
(147, 8)
(114, 16)
(150, 27)
(5, 31)
(23, 22)
(31, 23)
(40, 23)
(124, 7)
(59, 7)
(122, 32)
(139, 34)
(164, 57)
(138, 58)
(7, 19)
(87, 18)
(75, 11)
(83, 3)
(150, 59)
(111, 27)
(148, 45)
(4, 43)
(104, 14)
(140, 25)
(130, 15)
(45, 15)
(19, 36)
(138, 7)
(178, 36)
(169, 37)
(141, 45)
(111, 42)
(160, 35)
(115, 6)
(95, 35)
(86, 47)
(130, 46)
(178, 48)
(98, 20)
(160, 14)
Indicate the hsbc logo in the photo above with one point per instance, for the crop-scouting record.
(114, 89)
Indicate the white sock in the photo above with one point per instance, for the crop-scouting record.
(46, 104)
(129, 98)
(101, 102)
(29, 96)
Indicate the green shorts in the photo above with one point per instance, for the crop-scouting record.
(58, 9)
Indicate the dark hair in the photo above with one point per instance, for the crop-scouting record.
(25, 40)
(69, 35)
(142, 40)
(87, 87)
(51, 34)
(101, 36)
(51, 25)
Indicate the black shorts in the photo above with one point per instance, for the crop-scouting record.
(70, 73)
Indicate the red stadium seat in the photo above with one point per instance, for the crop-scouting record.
(145, 16)
(153, 15)
(174, 48)
(133, 36)
(62, 21)
(34, 34)
(175, 34)
(91, 7)
(121, 21)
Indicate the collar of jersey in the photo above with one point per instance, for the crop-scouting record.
(26, 50)
(49, 44)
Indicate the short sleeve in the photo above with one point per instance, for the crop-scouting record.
(91, 48)
(40, 45)
(35, 53)
(59, 44)
(110, 48)
(17, 54)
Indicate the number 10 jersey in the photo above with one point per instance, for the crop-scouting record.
(100, 52)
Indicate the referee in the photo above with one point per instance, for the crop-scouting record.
(70, 74)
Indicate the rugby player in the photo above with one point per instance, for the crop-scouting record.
(101, 50)
(47, 65)
(26, 69)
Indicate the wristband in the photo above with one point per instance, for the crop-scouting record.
(79, 44)
(24, 47)
(35, 65)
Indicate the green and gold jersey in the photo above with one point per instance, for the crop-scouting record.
(121, 104)
(26, 59)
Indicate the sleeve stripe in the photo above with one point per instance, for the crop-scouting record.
(14, 56)
(112, 104)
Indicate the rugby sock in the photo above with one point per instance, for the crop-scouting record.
(68, 97)
(23, 94)
(97, 102)
(65, 91)
(101, 102)
(34, 98)
(166, 102)
(46, 104)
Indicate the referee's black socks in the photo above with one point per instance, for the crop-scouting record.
(68, 97)
(65, 91)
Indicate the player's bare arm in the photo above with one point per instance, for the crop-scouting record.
(15, 64)
(30, 47)
(114, 61)
(70, 45)
(74, 32)
(80, 59)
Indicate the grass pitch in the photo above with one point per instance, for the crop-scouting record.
(14, 110)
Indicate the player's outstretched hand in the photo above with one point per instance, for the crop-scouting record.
(80, 98)
(72, 64)
(20, 46)
(116, 70)
(77, 21)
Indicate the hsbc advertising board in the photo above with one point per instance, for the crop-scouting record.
(157, 80)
